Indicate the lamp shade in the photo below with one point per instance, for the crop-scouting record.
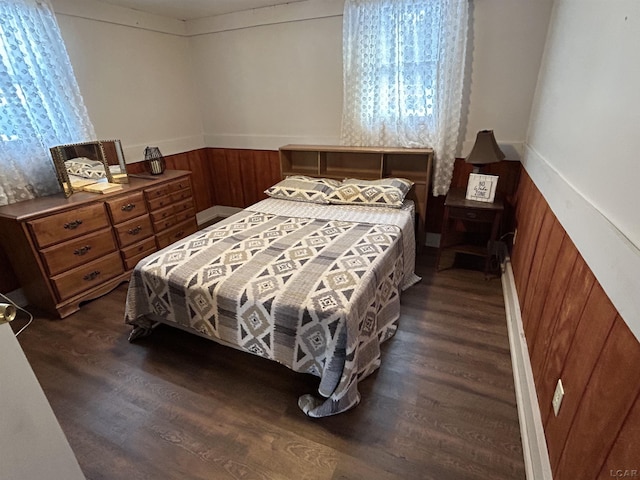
(485, 150)
(155, 160)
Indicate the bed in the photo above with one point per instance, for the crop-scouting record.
(312, 286)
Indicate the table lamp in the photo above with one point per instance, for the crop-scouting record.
(484, 151)
(482, 187)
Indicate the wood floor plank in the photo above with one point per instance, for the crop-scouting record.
(176, 406)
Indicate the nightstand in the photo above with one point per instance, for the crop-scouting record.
(469, 227)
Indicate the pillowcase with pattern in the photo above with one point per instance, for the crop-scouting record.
(386, 192)
(301, 188)
(85, 167)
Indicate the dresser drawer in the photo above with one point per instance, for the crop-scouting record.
(176, 233)
(127, 207)
(89, 275)
(162, 225)
(474, 215)
(184, 205)
(67, 225)
(133, 231)
(180, 185)
(181, 195)
(131, 262)
(158, 203)
(72, 253)
(137, 248)
(161, 214)
(185, 215)
(157, 192)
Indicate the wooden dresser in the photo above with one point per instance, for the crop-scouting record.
(65, 251)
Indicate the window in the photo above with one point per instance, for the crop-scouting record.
(403, 76)
(40, 102)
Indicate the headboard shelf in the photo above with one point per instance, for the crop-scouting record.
(367, 163)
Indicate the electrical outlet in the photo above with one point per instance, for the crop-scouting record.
(557, 397)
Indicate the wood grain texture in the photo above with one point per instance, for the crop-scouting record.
(545, 285)
(624, 453)
(552, 303)
(590, 335)
(575, 333)
(537, 263)
(573, 305)
(175, 406)
(608, 398)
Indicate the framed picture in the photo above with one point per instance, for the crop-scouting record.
(481, 188)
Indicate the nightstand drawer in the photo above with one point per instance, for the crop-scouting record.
(472, 214)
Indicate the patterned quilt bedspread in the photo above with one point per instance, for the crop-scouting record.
(315, 293)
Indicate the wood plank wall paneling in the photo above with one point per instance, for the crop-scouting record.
(238, 178)
(229, 177)
(574, 333)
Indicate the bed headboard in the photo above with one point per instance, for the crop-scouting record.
(367, 163)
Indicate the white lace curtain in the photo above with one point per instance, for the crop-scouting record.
(403, 76)
(40, 102)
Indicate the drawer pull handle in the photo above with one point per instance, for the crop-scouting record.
(91, 276)
(82, 251)
(73, 225)
(471, 215)
(128, 207)
(135, 231)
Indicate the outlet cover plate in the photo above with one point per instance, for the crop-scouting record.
(557, 397)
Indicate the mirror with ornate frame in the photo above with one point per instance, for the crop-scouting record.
(79, 164)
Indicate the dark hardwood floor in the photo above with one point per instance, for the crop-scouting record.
(175, 406)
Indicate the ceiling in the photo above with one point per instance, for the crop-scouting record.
(192, 9)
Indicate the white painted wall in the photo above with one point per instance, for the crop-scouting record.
(274, 76)
(136, 81)
(32, 444)
(266, 77)
(581, 148)
(506, 41)
(267, 86)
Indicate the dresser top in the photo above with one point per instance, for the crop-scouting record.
(48, 205)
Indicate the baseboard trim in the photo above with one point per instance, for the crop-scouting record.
(534, 444)
(214, 212)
